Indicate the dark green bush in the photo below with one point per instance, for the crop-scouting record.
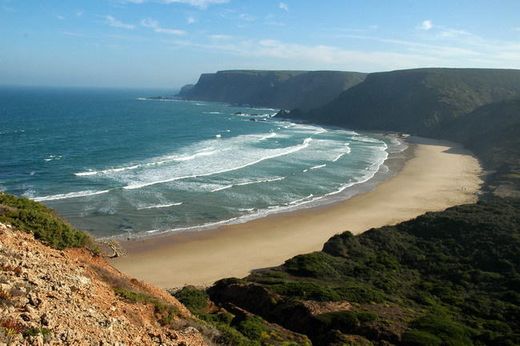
(346, 321)
(420, 338)
(459, 269)
(443, 328)
(196, 300)
(252, 327)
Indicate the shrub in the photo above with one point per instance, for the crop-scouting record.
(443, 328)
(252, 327)
(42, 222)
(420, 338)
(196, 300)
(164, 313)
(346, 321)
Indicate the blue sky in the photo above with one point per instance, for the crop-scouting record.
(168, 43)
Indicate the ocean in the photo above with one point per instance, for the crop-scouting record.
(116, 163)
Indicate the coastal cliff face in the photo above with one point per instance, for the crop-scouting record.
(420, 101)
(277, 89)
(492, 132)
(71, 297)
(479, 108)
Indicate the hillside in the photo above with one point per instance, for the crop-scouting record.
(476, 107)
(277, 89)
(420, 101)
(72, 297)
(493, 133)
(57, 288)
(445, 278)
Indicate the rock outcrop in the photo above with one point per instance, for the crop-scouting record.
(72, 297)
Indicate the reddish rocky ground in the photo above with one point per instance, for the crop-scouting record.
(74, 297)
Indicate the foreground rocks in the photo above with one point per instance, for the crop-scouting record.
(69, 297)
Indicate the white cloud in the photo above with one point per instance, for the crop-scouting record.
(453, 33)
(79, 13)
(246, 17)
(516, 28)
(220, 37)
(426, 25)
(202, 4)
(191, 20)
(155, 26)
(464, 50)
(115, 23)
(198, 3)
(60, 17)
(283, 6)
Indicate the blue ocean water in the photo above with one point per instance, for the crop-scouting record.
(113, 162)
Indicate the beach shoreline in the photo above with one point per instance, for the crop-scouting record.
(436, 175)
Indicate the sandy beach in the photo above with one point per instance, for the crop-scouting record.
(438, 175)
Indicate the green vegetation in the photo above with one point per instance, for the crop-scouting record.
(164, 312)
(45, 332)
(42, 222)
(446, 278)
(282, 89)
(418, 101)
(11, 329)
(493, 133)
(238, 328)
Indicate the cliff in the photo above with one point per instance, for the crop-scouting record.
(492, 132)
(277, 89)
(419, 101)
(475, 107)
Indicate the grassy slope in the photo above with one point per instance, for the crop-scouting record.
(447, 278)
(41, 221)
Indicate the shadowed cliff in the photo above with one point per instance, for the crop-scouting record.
(479, 108)
(277, 89)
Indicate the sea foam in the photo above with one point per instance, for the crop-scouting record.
(70, 195)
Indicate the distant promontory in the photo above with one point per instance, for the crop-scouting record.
(303, 90)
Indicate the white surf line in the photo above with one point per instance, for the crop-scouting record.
(260, 181)
(206, 152)
(342, 154)
(338, 157)
(275, 209)
(271, 135)
(159, 206)
(304, 145)
(222, 188)
(248, 183)
(70, 195)
(301, 199)
(318, 166)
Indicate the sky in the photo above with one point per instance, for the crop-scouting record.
(169, 43)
